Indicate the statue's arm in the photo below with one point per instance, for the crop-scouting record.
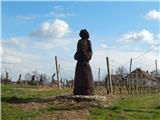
(83, 54)
(90, 50)
(87, 54)
(76, 55)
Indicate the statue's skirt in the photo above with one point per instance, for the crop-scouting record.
(83, 80)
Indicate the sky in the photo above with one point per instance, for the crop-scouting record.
(33, 33)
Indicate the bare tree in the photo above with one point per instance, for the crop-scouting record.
(6, 79)
(28, 76)
(37, 75)
(2, 77)
(121, 70)
(44, 79)
(19, 79)
(32, 77)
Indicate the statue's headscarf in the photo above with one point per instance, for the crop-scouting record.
(84, 34)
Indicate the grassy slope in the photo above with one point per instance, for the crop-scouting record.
(11, 94)
(130, 108)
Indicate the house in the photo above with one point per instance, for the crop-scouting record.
(117, 80)
(141, 78)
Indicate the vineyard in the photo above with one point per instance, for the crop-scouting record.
(31, 102)
(77, 60)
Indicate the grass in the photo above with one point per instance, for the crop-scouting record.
(14, 94)
(30, 91)
(130, 108)
(10, 112)
(145, 107)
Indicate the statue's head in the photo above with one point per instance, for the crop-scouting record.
(84, 34)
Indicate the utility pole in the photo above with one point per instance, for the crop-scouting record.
(59, 82)
(109, 76)
(156, 69)
(137, 82)
(19, 79)
(158, 83)
(130, 68)
(57, 71)
(130, 81)
(99, 77)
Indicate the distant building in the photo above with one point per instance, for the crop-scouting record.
(117, 79)
(141, 77)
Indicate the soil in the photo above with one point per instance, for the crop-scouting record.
(66, 115)
(60, 108)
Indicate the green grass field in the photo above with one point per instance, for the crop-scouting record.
(17, 104)
(13, 94)
(131, 108)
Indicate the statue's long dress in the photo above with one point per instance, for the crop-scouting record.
(83, 80)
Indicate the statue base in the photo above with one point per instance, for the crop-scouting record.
(91, 100)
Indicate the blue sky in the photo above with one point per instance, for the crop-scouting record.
(120, 30)
(100, 17)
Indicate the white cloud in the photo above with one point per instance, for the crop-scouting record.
(66, 49)
(61, 14)
(153, 15)
(15, 56)
(25, 53)
(50, 36)
(25, 43)
(11, 59)
(103, 46)
(54, 44)
(58, 7)
(55, 36)
(16, 41)
(158, 36)
(26, 17)
(16, 61)
(53, 29)
(121, 57)
(1, 50)
(144, 36)
(57, 42)
(25, 62)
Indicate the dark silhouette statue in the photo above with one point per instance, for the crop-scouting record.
(83, 80)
